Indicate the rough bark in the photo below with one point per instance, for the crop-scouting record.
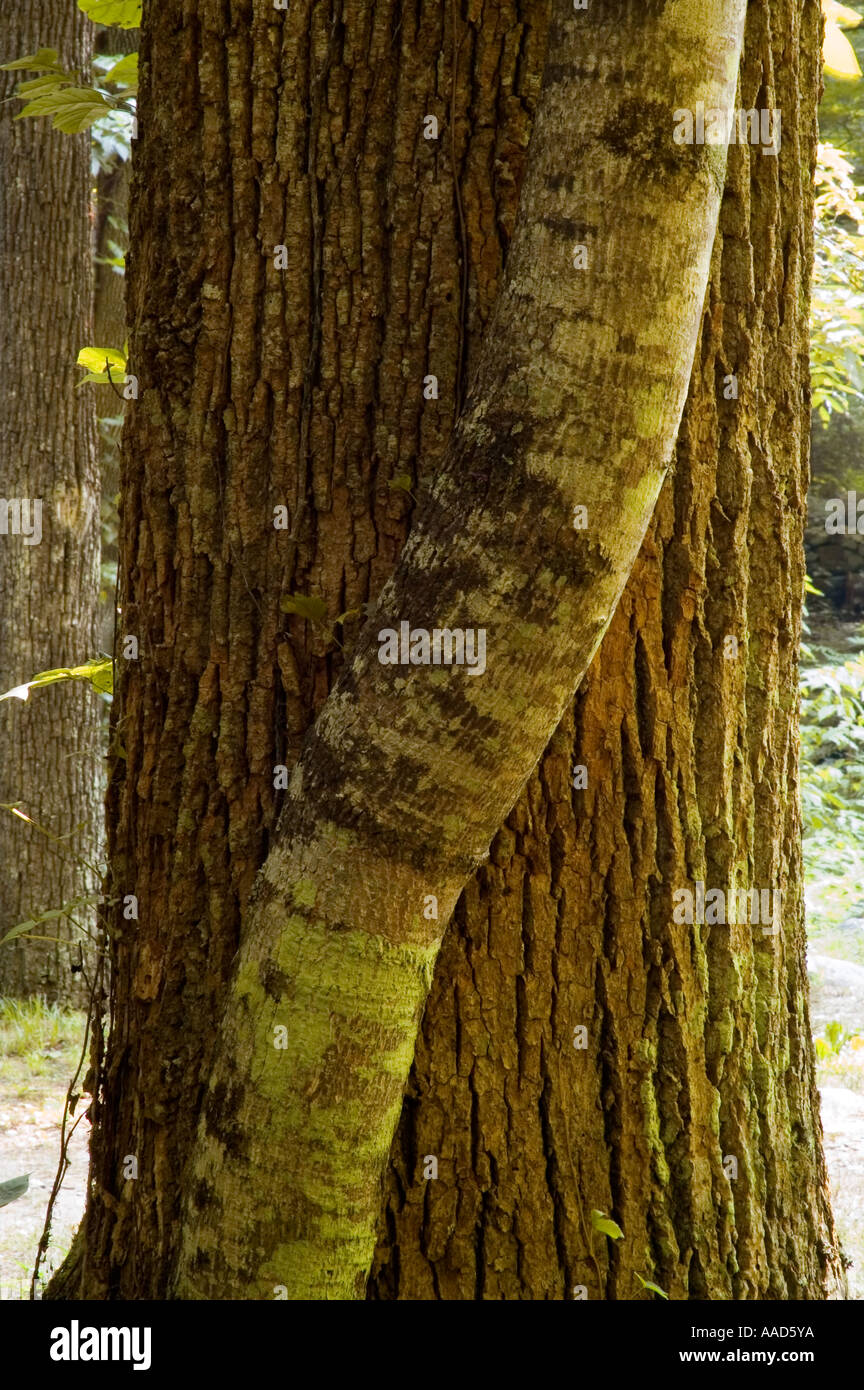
(308, 383)
(50, 748)
(698, 1039)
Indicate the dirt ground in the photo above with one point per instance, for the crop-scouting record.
(30, 1114)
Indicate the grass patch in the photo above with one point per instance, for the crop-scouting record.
(38, 1041)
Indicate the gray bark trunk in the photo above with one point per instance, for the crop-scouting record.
(50, 748)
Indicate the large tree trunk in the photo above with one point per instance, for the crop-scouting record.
(402, 783)
(321, 393)
(50, 748)
(698, 1042)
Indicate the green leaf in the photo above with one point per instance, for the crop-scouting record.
(305, 606)
(99, 671)
(646, 1284)
(73, 108)
(401, 483)
(838, 55)
(14, 1188)
(840, 14)
(95, 359)
(606, 1226)
(18, 930)
(35, 62)
(72, 120)
(125, 14)
(53, 914)
(40, 86)
(124, 73)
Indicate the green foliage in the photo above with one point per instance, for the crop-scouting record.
(56, 93)
(52, 914)
(836, 1038)
(837, 315)
(123, 14)
(99, 671)
(837, 328)
(314, 610)
(832, 743)
(307, 606)
(14, 1188)
(117, 259)
(110, 142)
(606, 1226)
(838, 56)
(652, 1288)
(46, 58)
(73, 108)
(832, 785)
(98, 363)
(401, 483)
(123, 72)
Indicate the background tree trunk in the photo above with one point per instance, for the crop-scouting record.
(50, 748)
(698, 1039)
(110, 231)
(110, 223)
(312, 379)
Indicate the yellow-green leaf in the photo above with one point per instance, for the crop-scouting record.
(99, 671)
(95, 359)
(305, 606)
(653, 1288)
(35, 62)
(125, 14)
(840, 14)
(40, 86)
(606, 1226)
(838, 55)
(53, 914)
(124, 73)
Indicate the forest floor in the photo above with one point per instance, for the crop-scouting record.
(38, 1053)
